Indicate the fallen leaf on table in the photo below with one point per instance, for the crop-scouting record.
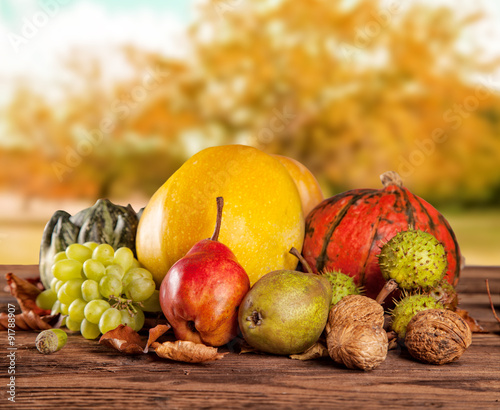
(474, 326)
(25, 293)
(123, 339)
(316, 351)
(155, 333)
(29, 321)
(189, 352)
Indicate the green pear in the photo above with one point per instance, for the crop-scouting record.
(285, 311)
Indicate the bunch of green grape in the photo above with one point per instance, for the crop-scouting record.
(98, 288)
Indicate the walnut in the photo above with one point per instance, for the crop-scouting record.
(437, 336)
(356, 308)
(355, 333)
(360, 345)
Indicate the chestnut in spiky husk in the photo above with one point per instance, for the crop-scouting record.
(414, 259)
(408, 307)
(342, 285)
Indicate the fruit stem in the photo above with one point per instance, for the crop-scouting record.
(391, 178)
(304, 263)
(388, 288)
(220, 205)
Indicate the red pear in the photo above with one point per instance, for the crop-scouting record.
(202, 291)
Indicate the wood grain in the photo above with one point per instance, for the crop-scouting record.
(86, 374)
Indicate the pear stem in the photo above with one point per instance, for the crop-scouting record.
(220, 205)
(296, 253)
(388, 288)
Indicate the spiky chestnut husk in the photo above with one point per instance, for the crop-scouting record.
(446, 294)
(414, 259)
(408, 307)
(342, 285)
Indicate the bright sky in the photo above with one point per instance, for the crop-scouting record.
(32, 44)
(157, 25)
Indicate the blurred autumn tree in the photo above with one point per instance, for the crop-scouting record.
(351, 89)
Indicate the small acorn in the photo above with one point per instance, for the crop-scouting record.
(342, 285)
(51, 340)
(408, 307)
(414, 259)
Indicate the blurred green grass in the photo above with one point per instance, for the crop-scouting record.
(478, 234)
(477, 231)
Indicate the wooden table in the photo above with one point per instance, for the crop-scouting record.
(86, 374)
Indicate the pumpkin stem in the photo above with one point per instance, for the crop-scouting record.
(391, 178)
(220, 205)
(296, 253)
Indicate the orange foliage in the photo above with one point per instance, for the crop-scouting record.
(350, 91)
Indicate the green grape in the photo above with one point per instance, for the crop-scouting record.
(134, 274)
(94, 310)
(124, 257)
(56, 308)
(89, 330)
(135, 320)
(110, 320)
(46, 299)
(90, 290)
(73, 325)
(110, 285)
(64, 308)
(139, 320)
(76, 310)
(104, 253)
(58, 285)
(73, 288)
(127, 319)
(63, 321)
(78, 252)
(140, 289)
(116, 270)
(152, 304)
(91, 245)
(63, 297)
(59, 256)
(129, 277)
(53, 284)
(142, 272)
(135, 264)
(94, 270)
(67, 269)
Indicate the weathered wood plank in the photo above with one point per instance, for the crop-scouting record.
(86, 374)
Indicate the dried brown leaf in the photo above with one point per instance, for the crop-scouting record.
(123, 339)
(35, 322)
(474, 326)
(155, 333)
(185, 351)
(316, 351)
(25, 293)
(28, 321)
